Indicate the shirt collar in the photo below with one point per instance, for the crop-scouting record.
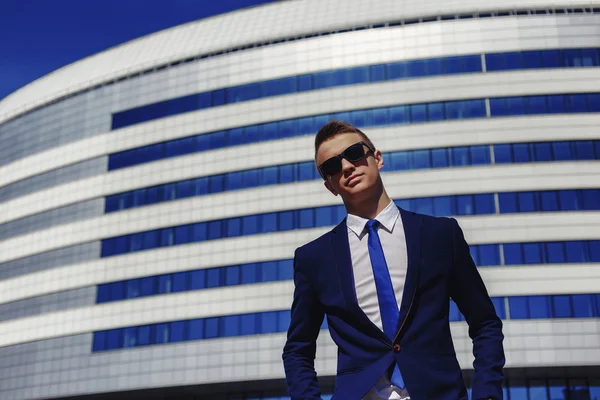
(387, 218)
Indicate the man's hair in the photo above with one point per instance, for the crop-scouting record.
(334, 128)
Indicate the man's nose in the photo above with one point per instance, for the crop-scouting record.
(347, 166)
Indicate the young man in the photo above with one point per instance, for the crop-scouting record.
(384, 277)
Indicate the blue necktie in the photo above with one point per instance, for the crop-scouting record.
(388, 306)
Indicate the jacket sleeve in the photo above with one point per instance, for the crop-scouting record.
(485, 328)
(305, 323)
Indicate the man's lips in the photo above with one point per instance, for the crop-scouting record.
(352, 179)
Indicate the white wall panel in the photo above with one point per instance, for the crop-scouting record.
(535, 227)
(539, 343)
(519, 280)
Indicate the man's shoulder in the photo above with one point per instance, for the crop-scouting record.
(433, 222)
(315, 249)
(440, 228)
(316, 244)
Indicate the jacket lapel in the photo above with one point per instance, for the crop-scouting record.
(412, 232)
(343, 262)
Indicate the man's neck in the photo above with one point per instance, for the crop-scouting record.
(371, 207)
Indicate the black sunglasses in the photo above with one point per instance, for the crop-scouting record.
(333, 165)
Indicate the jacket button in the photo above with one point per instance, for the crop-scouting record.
(397, 348)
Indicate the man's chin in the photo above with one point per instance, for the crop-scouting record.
(359, 189)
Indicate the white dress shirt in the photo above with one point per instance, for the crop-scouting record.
(393, 242)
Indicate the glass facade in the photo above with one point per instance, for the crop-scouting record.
(564, 58)
(546, 151)
(444, 88)
(373, 117)
(522, 307)
(581, 388)
(412, 69)
(552, 389)
(395, 161)
(280, 221)
(394, 115)
(484, 255)
(70, 173)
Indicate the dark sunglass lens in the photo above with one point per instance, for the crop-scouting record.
(355, 152)
(331, 166)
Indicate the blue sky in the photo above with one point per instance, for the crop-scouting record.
(39, 36)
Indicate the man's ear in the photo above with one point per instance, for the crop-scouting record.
(330, 187)
(378, 159)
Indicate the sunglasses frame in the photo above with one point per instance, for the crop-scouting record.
(341, 155)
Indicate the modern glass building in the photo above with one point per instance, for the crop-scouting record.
(152, 195)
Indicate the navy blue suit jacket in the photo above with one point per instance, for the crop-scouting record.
(440, 267)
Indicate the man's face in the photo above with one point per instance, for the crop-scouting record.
(357, 179)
